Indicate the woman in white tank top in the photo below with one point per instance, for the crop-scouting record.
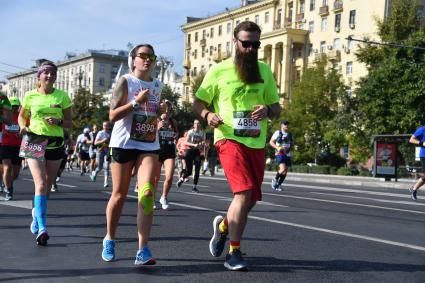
(135, 107)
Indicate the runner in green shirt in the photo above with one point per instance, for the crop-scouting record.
(43, 140)
(243, 93)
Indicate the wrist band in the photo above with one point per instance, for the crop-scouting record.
(206, 116)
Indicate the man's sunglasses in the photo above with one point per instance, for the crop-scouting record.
(144, 56)
(247, 44)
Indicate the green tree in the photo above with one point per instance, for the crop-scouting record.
(316, 113)
(391, 98)
(88, 109)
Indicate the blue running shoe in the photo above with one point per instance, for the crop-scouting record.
(144, 257)
(235, 262)
(34, 223)
(108, 252)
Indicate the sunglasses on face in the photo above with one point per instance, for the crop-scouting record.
(247, 44)
(145, 56)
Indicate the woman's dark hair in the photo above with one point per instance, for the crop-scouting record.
(246, 26)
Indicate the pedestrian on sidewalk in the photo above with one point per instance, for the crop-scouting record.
(243, 93)
(134, 109)
(418, 138)
(43, 140)
(282, 142)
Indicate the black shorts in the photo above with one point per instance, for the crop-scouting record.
(422, 164)
(168, 152)
(123, 155)
(10, 152)
(84, 155)
(54, 153)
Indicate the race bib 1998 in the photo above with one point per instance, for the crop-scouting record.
(33, 146)
(244, 125)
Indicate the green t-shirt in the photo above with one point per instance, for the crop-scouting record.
(44, 106)
(234, 101)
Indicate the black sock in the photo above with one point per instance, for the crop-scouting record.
(281, 179)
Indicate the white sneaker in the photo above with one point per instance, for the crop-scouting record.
(164, 202)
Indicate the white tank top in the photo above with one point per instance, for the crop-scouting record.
(138, 129)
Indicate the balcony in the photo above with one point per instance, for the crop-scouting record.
(299, 17)
(334, 55)
(338, 4)
(186, 64)
(324, 10)
(225, 54)
(203, 42)
(186, 80)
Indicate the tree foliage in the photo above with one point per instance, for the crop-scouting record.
(318, 113)
(88, 109)
(391, 98)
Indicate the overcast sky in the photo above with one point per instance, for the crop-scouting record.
(32, 29)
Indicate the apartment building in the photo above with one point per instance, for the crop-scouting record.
(94, 70)
(295, 33)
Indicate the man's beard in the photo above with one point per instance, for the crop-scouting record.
(247, 67)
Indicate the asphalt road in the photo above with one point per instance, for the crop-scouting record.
(310, 232)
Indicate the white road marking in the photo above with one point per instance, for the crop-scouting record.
(62, 184)
(344, 202)
(17, 203)
(318, 229)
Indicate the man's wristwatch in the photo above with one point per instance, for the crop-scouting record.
(135, 104)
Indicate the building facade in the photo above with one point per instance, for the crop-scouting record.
(94, 71)
(295, 33)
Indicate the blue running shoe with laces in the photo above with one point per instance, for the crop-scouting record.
(34, 223)
(144, 257)
(108, 252)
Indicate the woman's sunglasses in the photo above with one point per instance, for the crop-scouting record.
(247, 44)
(144, 56)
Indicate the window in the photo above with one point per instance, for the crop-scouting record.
(310, 49)
(237, 22)
(101, 82)
(219, 48)
(311, 26)
(312, 5)
(351, 44)
(324, 25)
(246, 19)
(211, 50)
(337, 22)
(203, 52)
(219, 30)
(257, 19)
(188, 39)
(349, 68)
(212, 33)
(228, 46)
(301, 26)
(337, 44)
(322, 46)
(279, 17)
(115, 69)
(266, 17)
(101, 68)
(229, 28)
(204, 34)
(195, 71)
(349, 92)
(195, 53)
(302, 7)
(352, 21)
(325, 2)
(196, 36)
